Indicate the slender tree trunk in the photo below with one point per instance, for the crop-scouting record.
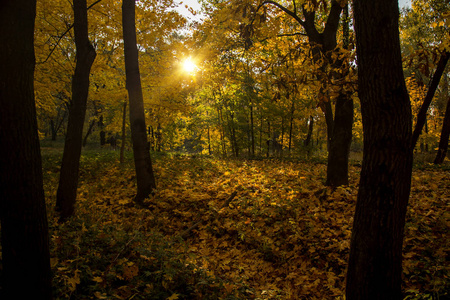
(280, 145)
(158, 138)
(307, 141)
(422, 114)
(375, 263)
(68, 179)
(59, 121)
(233, 136)
(269, 138)
(222, 128)
(252, 130)
(53, 130)
(102, 131)
(209, 142)
(124, 127)
(88, 133)
(142, 161)
(291, 125)
(26, 270)
(445, 133)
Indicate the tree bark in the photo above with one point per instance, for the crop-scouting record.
(68, 179)
(341, 139)
(142, 161)
(307, 141)
(24, 230)
(422, 114)
(374, 270)
(124, 123)
(88, 133)
(102, 131)
(252, 130)
(445, 133)
(291, 125)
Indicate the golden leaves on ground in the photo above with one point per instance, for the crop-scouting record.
(283, 236)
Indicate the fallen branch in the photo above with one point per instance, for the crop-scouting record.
(185, 233)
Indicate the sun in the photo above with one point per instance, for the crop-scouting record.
(189, 66)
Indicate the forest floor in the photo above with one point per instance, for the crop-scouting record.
(284, 235)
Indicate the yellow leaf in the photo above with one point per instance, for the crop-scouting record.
(99, 295)
(173, 297)
(97, 279)
(74, 281)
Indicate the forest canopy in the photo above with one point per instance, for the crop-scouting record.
(253, 149)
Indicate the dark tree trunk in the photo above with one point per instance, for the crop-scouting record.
(233, 136)
(422, 114)
(124, 123)
(53, 130)
(102, 131)
(68, 179)
(252, 130)
(59, 121)
(158, 138)
(375, 263)
(260, 134)
(445, 133)
(26, 270)
(307, 141)
(341, 139)
(142, 161)
(269, 137)
(291, 125)
(88, 133)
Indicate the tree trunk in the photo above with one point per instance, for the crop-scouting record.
(68, 179)
(341, 139)
(53, 130)
(291, 125)
(88, 133)
(422, 114)
(307, 141)
(26, 270)
(124, 123)
(341, 133)
(260, 134)
(102, 131)
(445, 133)
(269, 137)
(142, 161)
(252, 130)
(374, 270)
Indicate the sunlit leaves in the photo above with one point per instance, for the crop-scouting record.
(284, 235)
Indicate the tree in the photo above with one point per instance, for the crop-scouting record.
(422, 114)
(374, 270)
(142, 161)
(323, 44)
(445, 133)
(24, 229)
(68, 180)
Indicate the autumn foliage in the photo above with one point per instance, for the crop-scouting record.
(283, 236)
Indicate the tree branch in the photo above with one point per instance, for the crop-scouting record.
(293, 14)
(63, 35)
(422, 114)
(332, 23)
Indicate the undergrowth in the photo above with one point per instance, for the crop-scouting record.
(284, 236)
